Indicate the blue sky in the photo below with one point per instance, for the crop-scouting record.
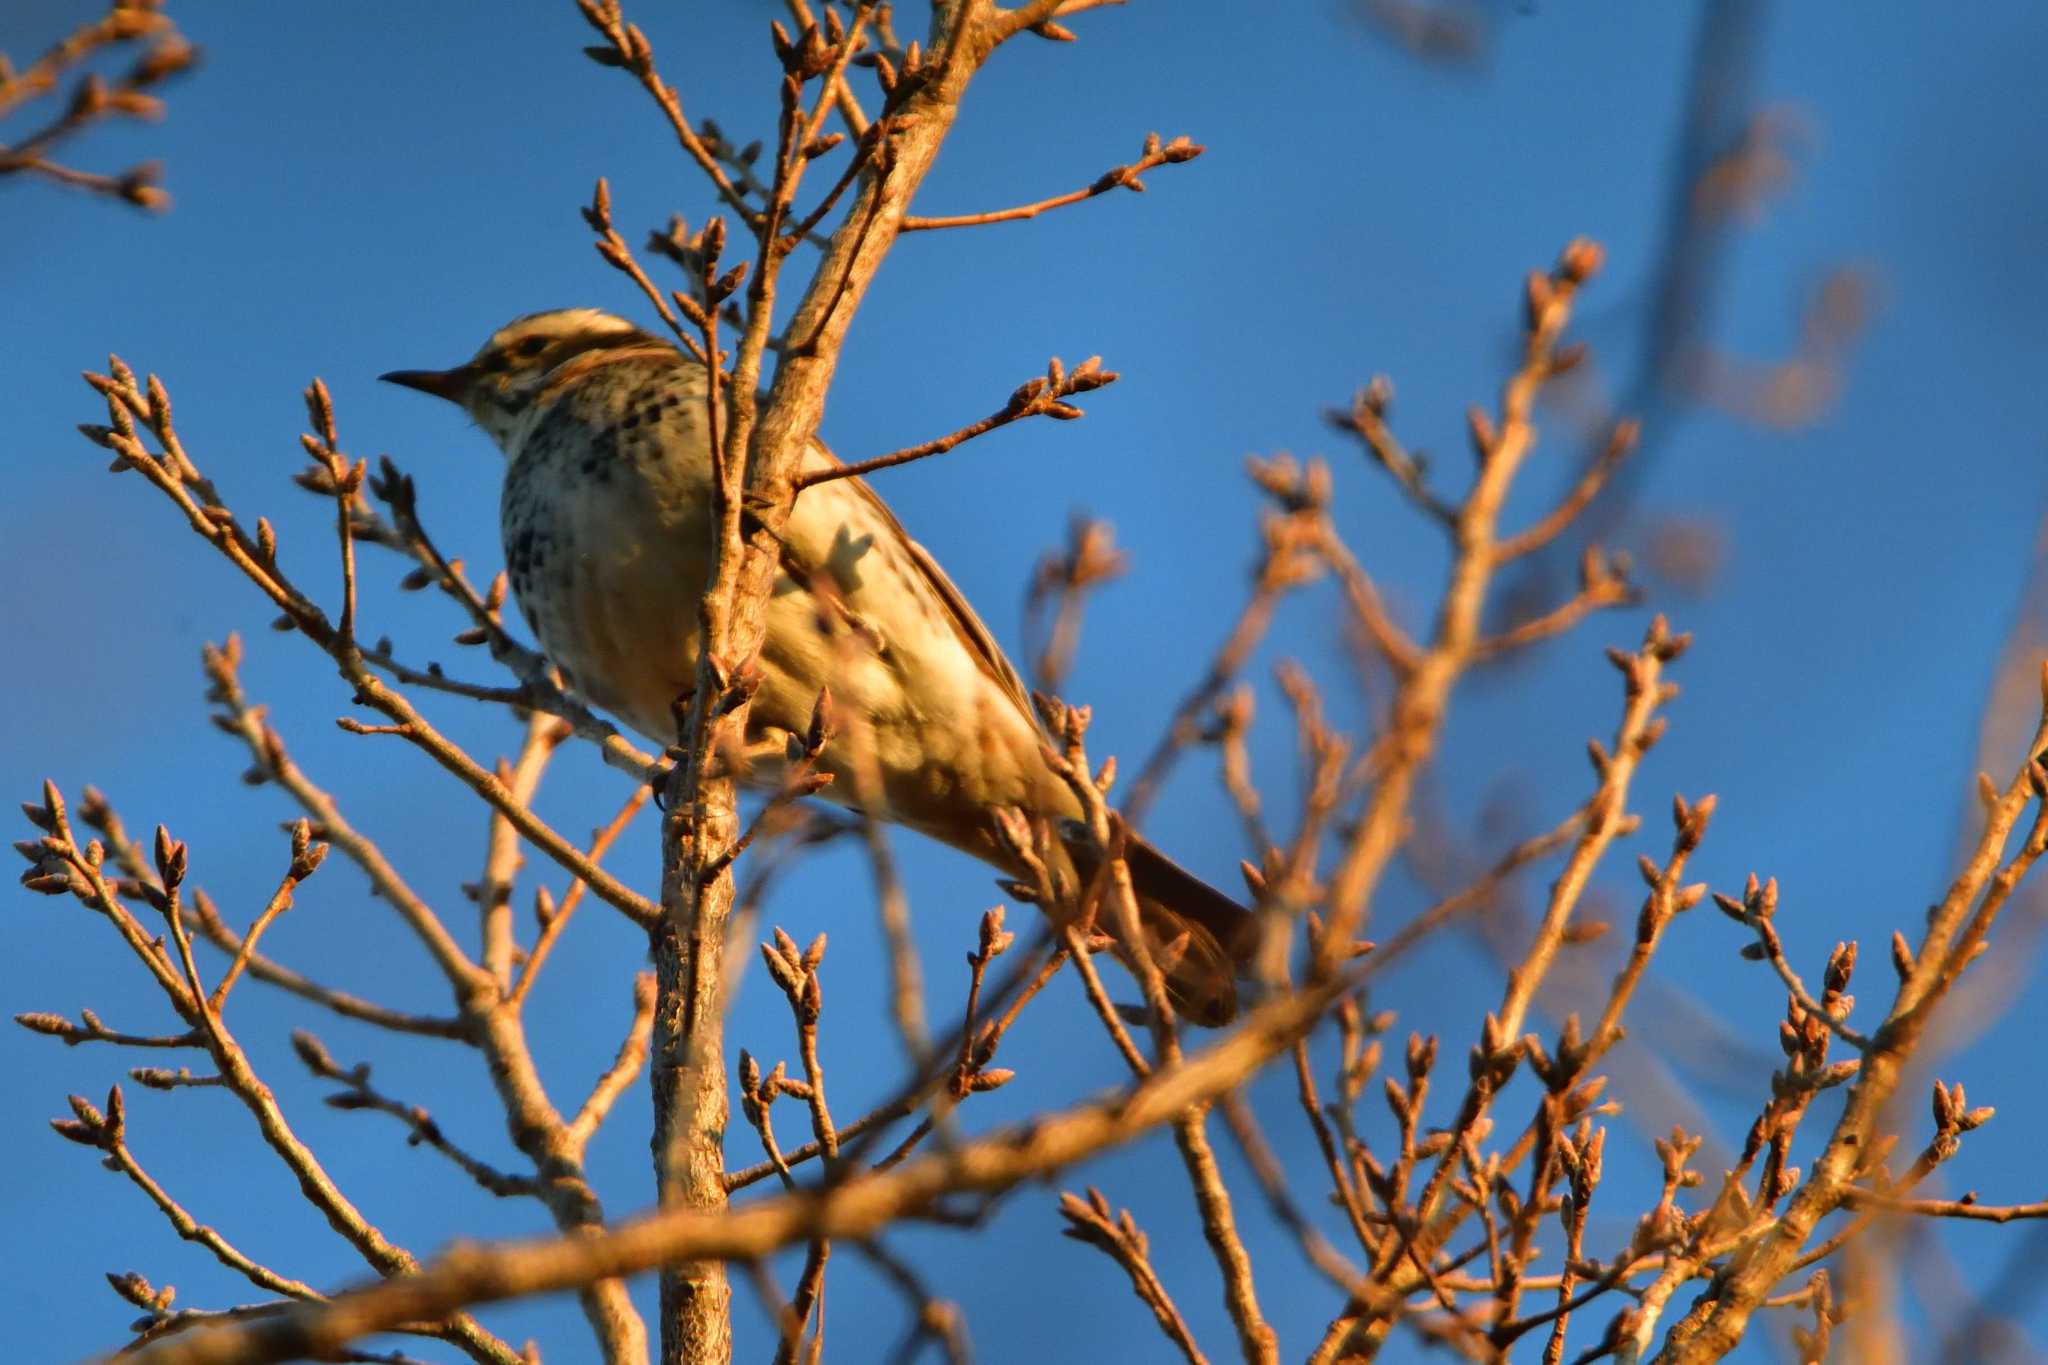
(371, 187)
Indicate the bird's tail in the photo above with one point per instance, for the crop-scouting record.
(1172, 902)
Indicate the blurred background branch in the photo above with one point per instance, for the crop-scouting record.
(48, 103)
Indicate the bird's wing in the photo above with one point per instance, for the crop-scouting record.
(973, 634)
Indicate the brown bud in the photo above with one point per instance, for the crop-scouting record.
(85, 1135)
(1581, 260)
(1480, 427)
(1902, 955)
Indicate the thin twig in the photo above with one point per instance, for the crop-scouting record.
(1042, 397)
(1119, 177)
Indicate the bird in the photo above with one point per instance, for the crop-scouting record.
(606, 513)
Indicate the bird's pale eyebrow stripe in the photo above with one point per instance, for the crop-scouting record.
(596, 339)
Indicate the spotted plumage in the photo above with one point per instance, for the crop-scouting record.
(606, 513)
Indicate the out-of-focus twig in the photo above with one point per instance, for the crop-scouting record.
(93, 100)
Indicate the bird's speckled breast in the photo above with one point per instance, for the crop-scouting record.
(606, 521)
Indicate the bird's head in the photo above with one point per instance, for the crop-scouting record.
(498, 384)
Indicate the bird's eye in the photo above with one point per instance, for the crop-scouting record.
(531, 347)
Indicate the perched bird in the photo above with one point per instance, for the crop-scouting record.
(607, 524)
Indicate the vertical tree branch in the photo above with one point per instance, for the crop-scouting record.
(1425, 691)
(763, 443)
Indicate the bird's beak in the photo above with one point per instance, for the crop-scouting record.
(452, 385)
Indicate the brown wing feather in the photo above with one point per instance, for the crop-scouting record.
(1173, 900)
(980, 643)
